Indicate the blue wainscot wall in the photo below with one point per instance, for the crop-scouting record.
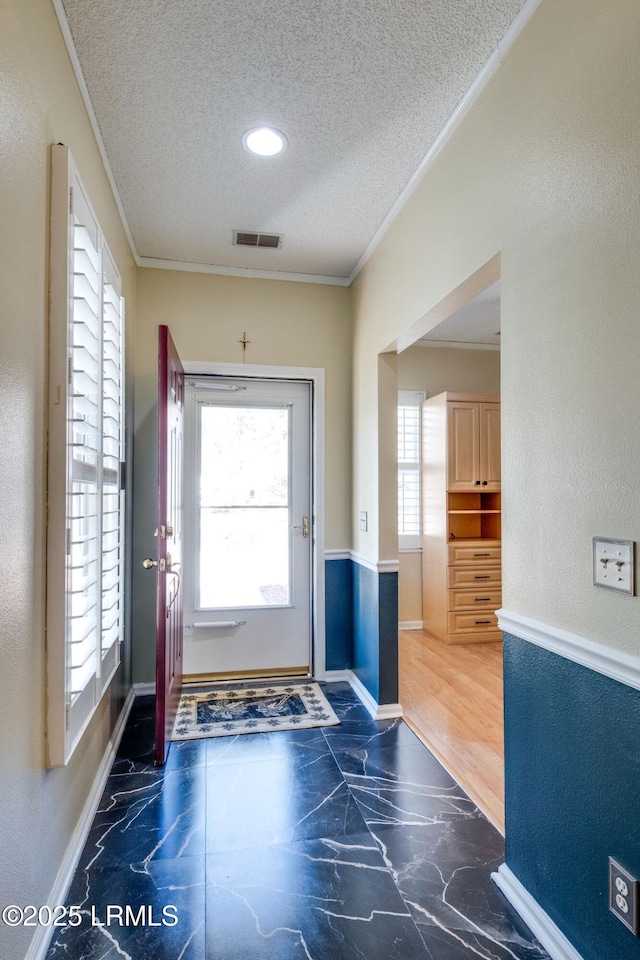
(339, 614)
(362, 626)
(572, 791)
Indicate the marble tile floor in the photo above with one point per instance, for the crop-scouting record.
(338, 843)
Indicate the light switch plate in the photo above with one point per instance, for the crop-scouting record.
(364, 520)
(613, 564)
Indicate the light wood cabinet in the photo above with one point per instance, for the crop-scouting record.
(473, 448)
(461, 517)
(489, 418)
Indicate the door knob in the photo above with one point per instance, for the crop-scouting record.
(148, 563)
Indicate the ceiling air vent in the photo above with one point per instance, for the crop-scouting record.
(243, 238)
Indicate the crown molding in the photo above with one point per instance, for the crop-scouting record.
(155, 262)
(248, 273)
(472, 94)
(486, 73)
(456, 344)
(93, 120)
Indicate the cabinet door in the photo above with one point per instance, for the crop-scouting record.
(489, 417)
(463, 446)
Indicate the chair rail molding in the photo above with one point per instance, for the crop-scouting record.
(595, 656)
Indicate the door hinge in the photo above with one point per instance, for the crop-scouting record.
(69, 370)
(68, 543)
(68, 715)
(70, 199)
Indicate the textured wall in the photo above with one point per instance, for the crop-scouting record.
(572, 791)
(375, 632)
(39, 104)
(366, 660)
(544, 170)
(339, 614)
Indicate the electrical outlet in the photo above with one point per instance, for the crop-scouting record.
(623, 896)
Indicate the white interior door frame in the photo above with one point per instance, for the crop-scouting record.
(316, 376)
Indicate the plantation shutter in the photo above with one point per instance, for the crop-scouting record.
(112, 458)
(83, 427)
(85, 501)
(409, 468)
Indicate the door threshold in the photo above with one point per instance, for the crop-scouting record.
(248, 677)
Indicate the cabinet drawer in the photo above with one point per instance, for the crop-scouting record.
(480, 599)
(474, 553)
(474, 577)
(481, 622)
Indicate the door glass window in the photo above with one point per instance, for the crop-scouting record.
(244, 535)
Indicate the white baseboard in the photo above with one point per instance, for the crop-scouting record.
(40, 943)
(410, 625)
(388, 711)
(379, 711)
(337, 676)
(144, 689)
(539, 922)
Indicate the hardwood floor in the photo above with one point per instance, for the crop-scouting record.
(452, 698)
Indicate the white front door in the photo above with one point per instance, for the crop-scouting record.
(248, 528)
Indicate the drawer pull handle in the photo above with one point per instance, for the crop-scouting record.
(482, 599)
(485, 576)
(482, 554)
(483, 621)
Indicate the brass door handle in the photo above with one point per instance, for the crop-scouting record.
(304, 527)
(148, 563)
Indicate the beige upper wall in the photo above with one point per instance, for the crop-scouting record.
(436, 369)
(544, 169)
(39, 105)
(289, 324)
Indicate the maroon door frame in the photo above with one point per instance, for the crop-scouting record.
(169, 541)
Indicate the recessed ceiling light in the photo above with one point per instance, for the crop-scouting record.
(264, 141)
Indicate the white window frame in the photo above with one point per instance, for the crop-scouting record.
(409, 541)
(85, 461)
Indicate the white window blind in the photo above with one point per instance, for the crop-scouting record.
(86, 450)
(409, 468)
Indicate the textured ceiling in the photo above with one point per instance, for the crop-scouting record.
(477, 322)
(360, 88)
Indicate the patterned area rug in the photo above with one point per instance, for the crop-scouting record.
(224, 713)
